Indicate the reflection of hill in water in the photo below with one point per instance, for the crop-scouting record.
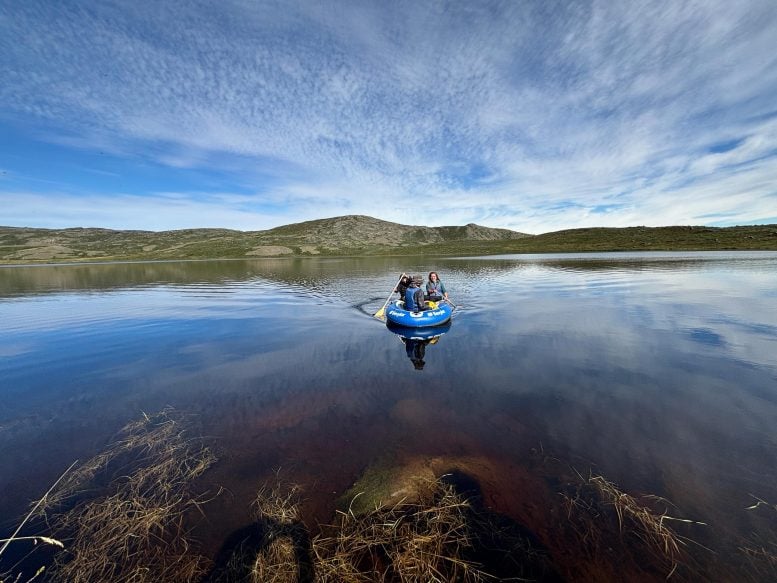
(629, 261)
(335, 272)
(27, 280)
(311, 273)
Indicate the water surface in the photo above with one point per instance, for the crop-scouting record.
(657, 370)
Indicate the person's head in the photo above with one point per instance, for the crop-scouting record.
(417, 280)
(433, 277)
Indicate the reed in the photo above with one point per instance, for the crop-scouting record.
(597, 502)
(762, 560)
(122, 512)
(761, 551)
(645, 523)
(35, 539)
(425, 540)
(422, 541)
(419, 541)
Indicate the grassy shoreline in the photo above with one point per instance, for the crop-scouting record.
(346, 238)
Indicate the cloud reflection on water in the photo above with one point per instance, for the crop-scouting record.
(661, 373)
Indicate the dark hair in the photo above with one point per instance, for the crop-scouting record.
(435, 273)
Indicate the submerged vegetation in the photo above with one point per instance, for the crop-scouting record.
(127, 515)
(595, 500)
(360, 235)
(121, 515)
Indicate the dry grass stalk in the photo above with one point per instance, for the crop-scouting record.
(278, 503)
(759, 502)
(37, 538)
(277, 563)
(406, 542)
(155, 445)
(277, 508)
(40, 503)
(762, 561)
(761, 555)
(275, 548)
(134, 530)
(640, 520)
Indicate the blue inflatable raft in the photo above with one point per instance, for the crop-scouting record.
(437, 314)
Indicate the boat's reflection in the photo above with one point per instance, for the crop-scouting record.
(417, 339)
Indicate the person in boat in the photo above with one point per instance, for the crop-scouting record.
(404, 283)
(435, 289)
(414, 295)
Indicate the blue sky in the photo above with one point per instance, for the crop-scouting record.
(249, 114)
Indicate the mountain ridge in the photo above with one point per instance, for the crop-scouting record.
(349, 234)
(358, 235)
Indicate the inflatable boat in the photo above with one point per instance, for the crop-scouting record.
(437, 313)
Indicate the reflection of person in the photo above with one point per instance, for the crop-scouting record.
(416, 350)
(414, 295)
(435, 289)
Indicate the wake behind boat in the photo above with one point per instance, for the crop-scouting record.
(436, 314)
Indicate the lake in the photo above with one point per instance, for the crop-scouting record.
(657, 371)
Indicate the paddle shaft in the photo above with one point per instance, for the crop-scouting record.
(388, 299)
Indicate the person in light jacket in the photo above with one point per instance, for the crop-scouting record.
(435, 289)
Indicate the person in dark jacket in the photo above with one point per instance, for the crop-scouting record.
(414, 295)
(404, 283)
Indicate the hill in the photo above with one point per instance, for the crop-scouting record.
(359, 235)
(677, 238)
(347, 235)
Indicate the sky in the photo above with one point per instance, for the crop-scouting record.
(532, 115)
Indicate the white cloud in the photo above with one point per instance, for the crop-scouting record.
(511, 114)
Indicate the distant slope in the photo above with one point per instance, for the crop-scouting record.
(658, 239)
(685, 238)
(347, 235)
(362, 232)
(359, 235)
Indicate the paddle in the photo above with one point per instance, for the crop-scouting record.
(451, 303)
(382, 312)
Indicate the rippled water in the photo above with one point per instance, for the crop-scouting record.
(657, 370)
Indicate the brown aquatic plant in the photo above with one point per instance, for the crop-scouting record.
(278, 508)
(602, 519)
(762, 560)
(761, 554)
(276, 547)
(279, 503)
(635, 517)
(424, 540)
(122, 512)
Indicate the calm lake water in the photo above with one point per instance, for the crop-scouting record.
(655, 370)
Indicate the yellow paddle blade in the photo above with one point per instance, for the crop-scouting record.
(380, 313)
